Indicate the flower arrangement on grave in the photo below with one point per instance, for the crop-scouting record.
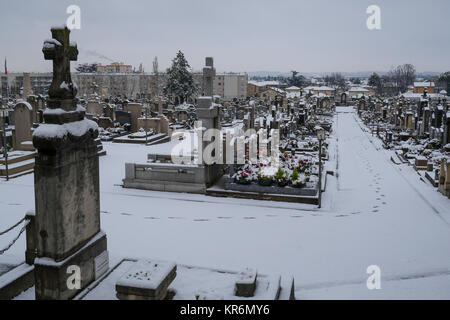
(266, 175)
(243, 177)
(303, 165)
(246, 175)
(281, 177)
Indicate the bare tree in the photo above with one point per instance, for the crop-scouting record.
(156, 76)
(403, 76)
(335, 80)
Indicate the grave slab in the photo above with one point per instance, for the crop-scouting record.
(146, 280)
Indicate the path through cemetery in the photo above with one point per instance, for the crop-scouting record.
(372, 215)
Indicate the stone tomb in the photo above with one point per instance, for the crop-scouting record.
(189, 284)
(191, 177)
(136, 111)
(146, 280)
(108, 111)
(105, 122)
(123, 117)
(420, 163)
(94, 108)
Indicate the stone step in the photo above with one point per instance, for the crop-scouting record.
(158, 141)
(17, 168)
(17, 156)
(15, 281)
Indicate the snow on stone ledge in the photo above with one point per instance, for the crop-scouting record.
(27, 104)
(77, 128)
(59, 111)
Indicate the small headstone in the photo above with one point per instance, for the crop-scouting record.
(23, 123)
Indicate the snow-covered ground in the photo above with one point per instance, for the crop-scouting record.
(374, 213)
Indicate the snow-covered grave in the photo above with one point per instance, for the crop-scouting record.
(146, 280)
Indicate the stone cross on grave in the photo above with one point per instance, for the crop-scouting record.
(61, 51)
(66, 186)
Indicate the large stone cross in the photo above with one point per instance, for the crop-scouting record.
(61, 51)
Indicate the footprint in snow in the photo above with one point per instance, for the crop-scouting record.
(249, 218)
(126, 214)
(201, 220)
(151, 218)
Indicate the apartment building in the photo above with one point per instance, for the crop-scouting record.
(230, 85)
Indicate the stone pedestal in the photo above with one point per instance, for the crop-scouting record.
(51, 277)
(67, 190)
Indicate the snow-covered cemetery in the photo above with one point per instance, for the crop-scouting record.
(185, 183)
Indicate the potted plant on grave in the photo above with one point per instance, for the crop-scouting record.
(281, 178)
(297, 181)
(307, 177)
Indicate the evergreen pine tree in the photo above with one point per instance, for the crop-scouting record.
(180, 82)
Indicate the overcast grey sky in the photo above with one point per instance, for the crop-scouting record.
(241, 35)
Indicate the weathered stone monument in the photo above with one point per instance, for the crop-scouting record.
(26, 88)
(94, 108)
(23, 123)
(108, 111)
(208, 76)
(444, 178)
(34, 102)
(135, 110)
(69, 241)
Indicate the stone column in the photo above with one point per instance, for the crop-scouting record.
(26, 88)
(209, 72)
